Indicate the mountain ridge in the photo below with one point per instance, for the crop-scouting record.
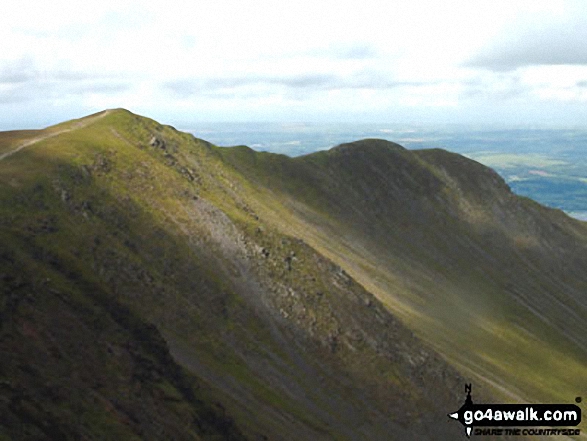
(268, 277)
(480, 208)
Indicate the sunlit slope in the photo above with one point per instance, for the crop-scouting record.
(142, 264)
(494, 281)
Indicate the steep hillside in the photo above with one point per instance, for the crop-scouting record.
(493, 281)
(154, 286)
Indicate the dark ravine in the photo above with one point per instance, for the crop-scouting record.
(154, 286)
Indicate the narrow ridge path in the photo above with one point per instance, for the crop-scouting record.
(37, 139)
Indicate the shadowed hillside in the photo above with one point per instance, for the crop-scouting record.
(492, 280)
(158, 287)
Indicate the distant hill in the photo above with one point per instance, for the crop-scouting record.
(155, 286)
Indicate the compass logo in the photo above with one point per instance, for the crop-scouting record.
(466, 408)
(473, 415)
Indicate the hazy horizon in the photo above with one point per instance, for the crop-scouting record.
(188, 124)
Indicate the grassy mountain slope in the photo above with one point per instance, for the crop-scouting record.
(157, 287)
(493, 281)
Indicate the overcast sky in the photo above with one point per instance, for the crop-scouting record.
(514, 62)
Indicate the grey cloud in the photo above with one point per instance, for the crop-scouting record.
(25, 71)
(359, 52)
(18, 71)
(39, 91)
(32, 91)
(496, 94)
(530, 53)
(295, 81)
(539, 46)
(370, 79)
(307, 82)
(206, 86)
(15, 97)
(25, 92)
(182, 87)
(98, 86)
(355, 51)
(63, 75)
(23, 82)
(502, 87)
(582, 83)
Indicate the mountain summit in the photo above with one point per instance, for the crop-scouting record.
(155, 286)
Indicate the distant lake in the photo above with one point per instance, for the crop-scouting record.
(546, 164)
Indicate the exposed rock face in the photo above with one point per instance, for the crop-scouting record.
(157, 143)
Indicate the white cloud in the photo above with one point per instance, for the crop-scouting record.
(553, 35)
(264, 59)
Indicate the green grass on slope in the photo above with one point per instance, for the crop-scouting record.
(418, 230)
(86, 232)
(74, 239)
(188, 237)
